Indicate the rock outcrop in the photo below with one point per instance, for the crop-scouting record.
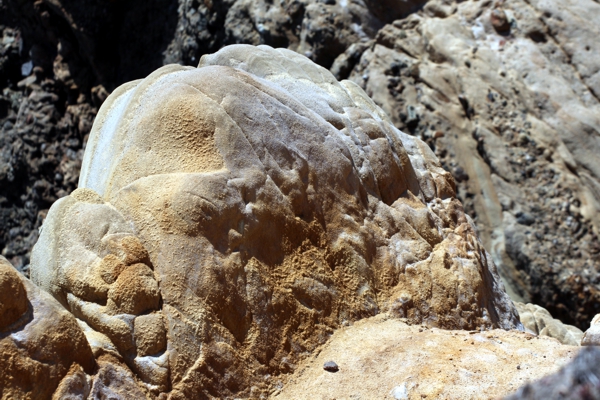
(539, 321)
(60, 58)
(506, 93)
(526, 170)
(230, 217)
(382, 358)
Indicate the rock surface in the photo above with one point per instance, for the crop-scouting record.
(513, 113)
(245, 210)
(526, 173)
(592, 335)
(40, 342)
(539, 321)
(382, 358)
(579, 380)
(59, 59)
(523, 156)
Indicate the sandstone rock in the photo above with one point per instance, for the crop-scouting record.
(539, 321)
(81, 51)
(252, 206)
(592, 335)
(13, 298)
(505, 95)
(40, 342)
(383, 358)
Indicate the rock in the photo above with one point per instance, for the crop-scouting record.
(13, 298)
(79, 53)
(499, 20)
(248, 208)
(507, 93)
(41, 343)
(591, 337)
(331, 366)
(385, 358)
(114, 381)
(515, 158)
(578, 380)
(539, 321)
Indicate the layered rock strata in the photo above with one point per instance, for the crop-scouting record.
(506, 94)
(230, 217)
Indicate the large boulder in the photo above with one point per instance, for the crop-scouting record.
(230, 217)
(59, 58)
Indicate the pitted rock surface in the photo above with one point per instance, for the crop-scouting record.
(246, 209)
(506, 93)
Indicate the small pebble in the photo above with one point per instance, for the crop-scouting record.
(331, 366)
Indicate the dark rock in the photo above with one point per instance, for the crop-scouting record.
(499, 20)
(524, 218)
(331, 366)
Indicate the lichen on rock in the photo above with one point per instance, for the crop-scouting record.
(246, 209)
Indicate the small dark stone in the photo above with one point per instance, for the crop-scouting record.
(500, 21)
(525, 219)
(331, 366)
(460, 175)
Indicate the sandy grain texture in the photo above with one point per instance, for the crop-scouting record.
(382, 358)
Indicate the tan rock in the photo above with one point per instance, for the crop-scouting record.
(591, 337)
(255, 204)
(539, 321)
(380, 358)
(44, 343)
(13, 298)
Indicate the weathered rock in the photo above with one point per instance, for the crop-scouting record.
(539, 321)
(386, 359)
(592, 335)
(40, 342)
(506, 95)
(60, 58)
(248, 208)
(13, 298)
(579, 380)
